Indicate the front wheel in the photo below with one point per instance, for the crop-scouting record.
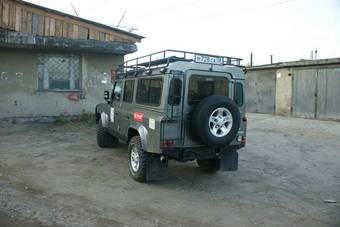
(104, 139)
(209, 165)
(137, 159)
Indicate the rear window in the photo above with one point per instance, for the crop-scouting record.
(238, 94)
(149, 91)
(203, 86)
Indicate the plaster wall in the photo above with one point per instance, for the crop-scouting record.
(19, 94)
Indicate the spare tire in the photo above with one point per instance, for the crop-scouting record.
(215, 121)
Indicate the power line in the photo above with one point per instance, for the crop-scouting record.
(261, 6)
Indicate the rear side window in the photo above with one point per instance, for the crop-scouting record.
(128, 90)
(149, 91)
(238, 94)
(203, 86)
(175, 92)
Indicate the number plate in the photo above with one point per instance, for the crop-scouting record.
(208, 59)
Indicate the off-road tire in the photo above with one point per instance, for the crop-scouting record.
(200, 120)
(104, 139)
(209, 165)
(140, 173)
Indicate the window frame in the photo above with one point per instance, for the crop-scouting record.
(43, 86)
(242, 93)
(161, 91)
(133, 91)
(170, 91)
(211, 76)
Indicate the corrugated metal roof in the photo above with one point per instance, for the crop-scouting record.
(299, 63)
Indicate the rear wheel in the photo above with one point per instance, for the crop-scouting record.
(137, 159)
(209, 165)
(104, 139)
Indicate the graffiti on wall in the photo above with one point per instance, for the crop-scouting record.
(4, 76)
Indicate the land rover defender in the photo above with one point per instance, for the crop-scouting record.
(175, 105)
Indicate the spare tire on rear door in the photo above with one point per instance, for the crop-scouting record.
(216, 120)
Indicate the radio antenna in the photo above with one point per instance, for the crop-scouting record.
(74, 9)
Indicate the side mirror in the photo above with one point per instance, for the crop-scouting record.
(106, 95)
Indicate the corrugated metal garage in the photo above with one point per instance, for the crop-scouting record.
(307, 88)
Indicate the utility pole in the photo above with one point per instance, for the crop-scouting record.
(251, 59)
(316, 54)
(271, 59)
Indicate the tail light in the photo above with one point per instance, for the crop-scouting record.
(167, 143)
(243, 140)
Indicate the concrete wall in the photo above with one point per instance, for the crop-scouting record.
(283, 96)
(260, 91)
(19, 95)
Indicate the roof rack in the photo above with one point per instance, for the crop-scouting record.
(164, 58)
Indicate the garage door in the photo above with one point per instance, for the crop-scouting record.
(304, 93)
(316, 93)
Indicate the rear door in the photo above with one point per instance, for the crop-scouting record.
(201, 84)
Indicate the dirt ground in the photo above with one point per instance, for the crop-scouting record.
(55, 175)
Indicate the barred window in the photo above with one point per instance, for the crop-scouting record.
(59, 72)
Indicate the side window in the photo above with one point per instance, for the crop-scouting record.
(238, 94)
(149, 91)
(175, 92)
(128, 90)
(117, 91)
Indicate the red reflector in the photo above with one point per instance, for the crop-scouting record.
(167, 143)
(243, 140)
(138, 116)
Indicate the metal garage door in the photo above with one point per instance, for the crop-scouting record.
(316, 93)
(260, 91)
(304, 93)
(328, 90)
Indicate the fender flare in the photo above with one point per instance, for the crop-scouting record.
(143, 133)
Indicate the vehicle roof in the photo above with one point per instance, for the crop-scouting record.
(236, 72)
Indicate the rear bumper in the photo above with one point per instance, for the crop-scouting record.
(199, 153)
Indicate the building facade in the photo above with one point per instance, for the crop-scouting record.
(54, 64)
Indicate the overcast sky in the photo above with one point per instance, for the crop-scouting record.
(287, 29)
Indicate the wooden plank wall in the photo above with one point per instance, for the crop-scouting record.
(17, 16)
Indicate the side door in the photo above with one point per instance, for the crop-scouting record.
(115, 108)
(127, 107)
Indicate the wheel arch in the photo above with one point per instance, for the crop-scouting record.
(138, 130)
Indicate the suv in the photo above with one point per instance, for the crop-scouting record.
(175, 105)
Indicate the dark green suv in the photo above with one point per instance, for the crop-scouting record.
(175, 105)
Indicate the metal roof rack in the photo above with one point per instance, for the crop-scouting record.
(164, 58)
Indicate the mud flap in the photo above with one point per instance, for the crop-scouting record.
(156, 169)
(229, 160)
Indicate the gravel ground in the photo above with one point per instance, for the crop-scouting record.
(55, 175)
